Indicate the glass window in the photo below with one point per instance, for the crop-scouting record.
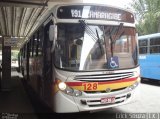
(122, 44)
(155, 41)
(155, 49)
(155, 45)
(142, 50)
(35, 44)
(90, 47)
(143, 42)
(40, 39)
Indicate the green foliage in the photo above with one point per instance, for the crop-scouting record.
(148, 16)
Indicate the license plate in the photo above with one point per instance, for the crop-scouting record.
(108, 100)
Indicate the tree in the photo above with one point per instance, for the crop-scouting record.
(148, 16)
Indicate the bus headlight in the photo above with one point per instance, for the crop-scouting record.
(135, 73)
(62, 86)
(77, 93)
(133, 86)
(68, 90)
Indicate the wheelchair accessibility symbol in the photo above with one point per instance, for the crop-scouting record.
(113, 62)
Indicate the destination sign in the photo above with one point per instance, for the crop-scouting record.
(95, 13)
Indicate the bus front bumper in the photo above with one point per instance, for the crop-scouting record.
(91, 102)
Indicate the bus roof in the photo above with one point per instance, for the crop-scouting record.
(148, 36)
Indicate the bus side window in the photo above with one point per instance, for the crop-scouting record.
(143, 46)
(35, 45)
(155, 45)
(39, 41)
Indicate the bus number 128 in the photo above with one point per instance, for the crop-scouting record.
(90, 86)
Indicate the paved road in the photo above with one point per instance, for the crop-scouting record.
(148, 100)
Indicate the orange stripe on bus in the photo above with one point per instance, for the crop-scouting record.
(101, 83)
(103, 87)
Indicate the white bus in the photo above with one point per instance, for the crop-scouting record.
(83, 57)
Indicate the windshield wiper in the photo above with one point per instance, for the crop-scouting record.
(90, 32)
(99, 42)
(117, 32)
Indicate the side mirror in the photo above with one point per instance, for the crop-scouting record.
(53, 35)
(52, 32)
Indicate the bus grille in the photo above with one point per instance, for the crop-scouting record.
(95, 92)
(103, 77)
(97, 102)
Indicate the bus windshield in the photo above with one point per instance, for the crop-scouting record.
(82, 47)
